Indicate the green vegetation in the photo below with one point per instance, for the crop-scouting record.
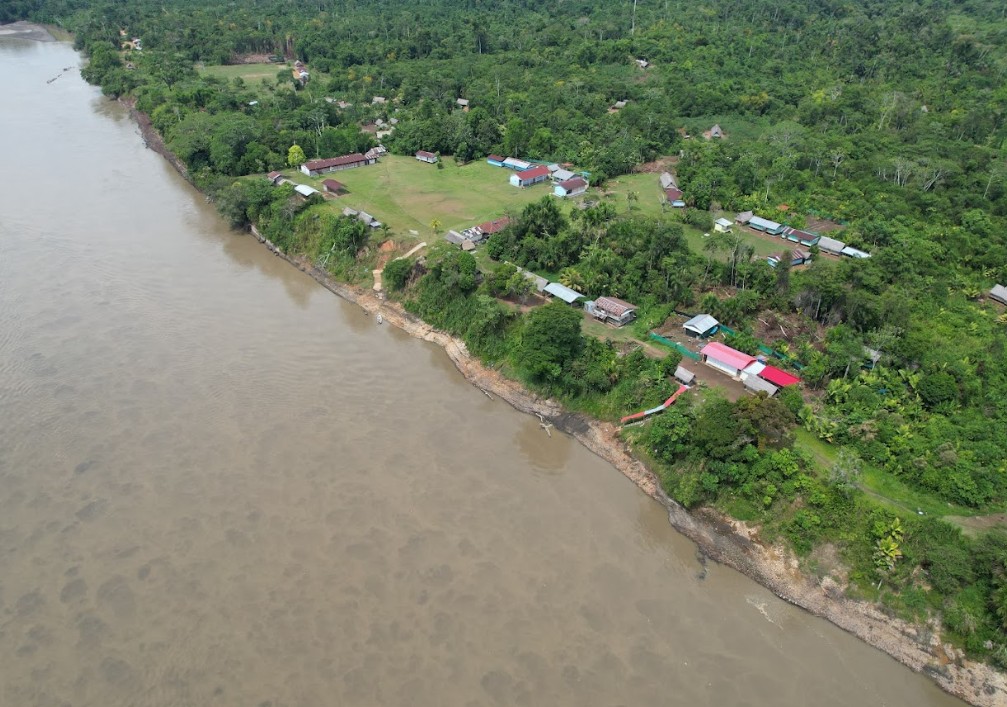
(885, 116)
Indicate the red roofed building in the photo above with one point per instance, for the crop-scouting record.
(333, 164)
(491, 227)
(725, 359)
(778, 377)
(571, 187)
(530, 176)
(424, 156)
(674, 197)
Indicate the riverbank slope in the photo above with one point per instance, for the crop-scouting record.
(723, 539)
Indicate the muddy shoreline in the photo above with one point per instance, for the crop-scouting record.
(26, 30)
(720, 538)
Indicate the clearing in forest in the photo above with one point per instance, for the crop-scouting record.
(409, 195)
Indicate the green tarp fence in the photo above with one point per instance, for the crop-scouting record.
(667, 342)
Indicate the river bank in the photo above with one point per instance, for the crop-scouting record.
(721, 538)
(26, 30)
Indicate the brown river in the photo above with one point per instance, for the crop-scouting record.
(222, 485)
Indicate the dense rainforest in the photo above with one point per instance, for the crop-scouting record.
(887, 117)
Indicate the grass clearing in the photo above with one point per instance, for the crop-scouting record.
(888, 490)
(648, 203)
(409, 195)
(250, 73)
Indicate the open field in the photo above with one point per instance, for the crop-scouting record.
(251, 73)
(408, 194)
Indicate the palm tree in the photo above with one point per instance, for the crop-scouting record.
(435, 226)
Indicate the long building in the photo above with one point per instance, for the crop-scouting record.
(313, 168)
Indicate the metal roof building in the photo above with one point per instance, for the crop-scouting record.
(563, 292)
(701, 325)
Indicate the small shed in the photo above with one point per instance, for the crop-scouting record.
(701, 326)
(563, 292)
(468, 245)
(365, 217)
(428, 157)
(612, 310)
(667, 180)
(463, 103)
(722, 225)
(454, 238)
(495, 160)
(999, 293)
(683, 375)
(725, 359)
(675, 196)
(570, 187)
(561, 175)
(274, 177)
(333, 187)
(757, 385)
(350, 212)
(305, 191)
(743, 218)
(716, 132)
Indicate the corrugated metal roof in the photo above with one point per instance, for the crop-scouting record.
(999, 292)
(305, 190)
(563, 292)
(684, 375)
(614, 306)
(723, 222)
(778, 377)
(562, 175)
(763, 223)
(830, 245)
(757, 385)
(855, 253)
(701, 323)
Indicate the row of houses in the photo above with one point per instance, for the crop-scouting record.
(796, 235)
(754, 373)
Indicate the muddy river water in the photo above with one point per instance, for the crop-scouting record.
(222, 485)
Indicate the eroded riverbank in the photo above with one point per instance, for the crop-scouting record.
(723, 539)
(720, 538)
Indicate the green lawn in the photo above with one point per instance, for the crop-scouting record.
(408, 194)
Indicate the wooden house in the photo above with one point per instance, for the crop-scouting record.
(428, 157)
